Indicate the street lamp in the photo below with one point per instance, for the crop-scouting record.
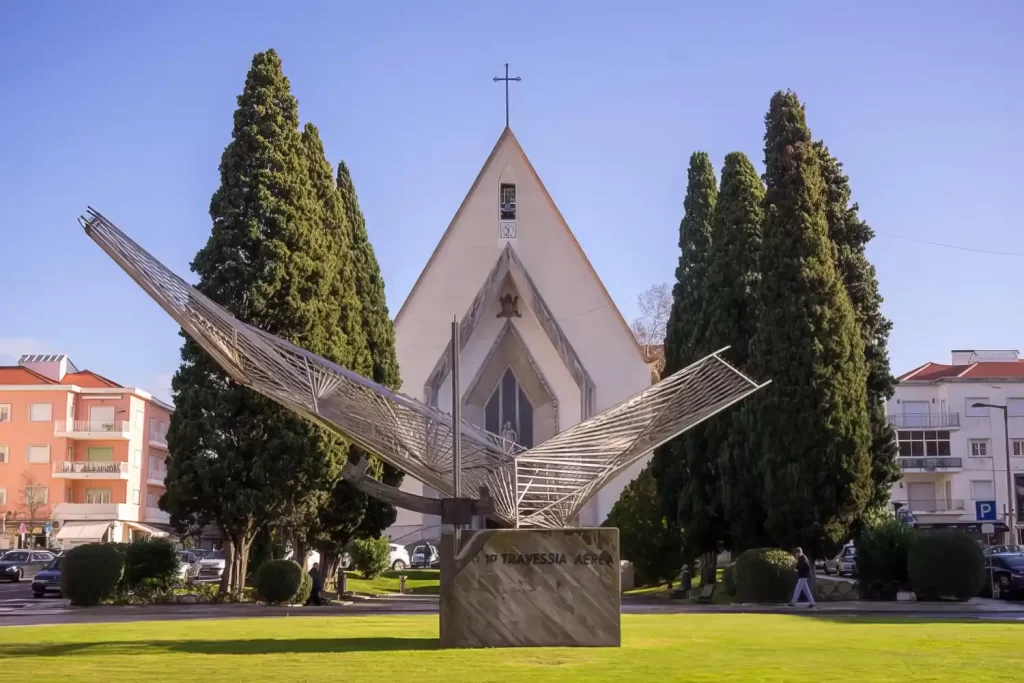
(1010, 493)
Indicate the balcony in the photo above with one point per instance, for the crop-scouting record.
(94, 431)
(949, 506)
(931, 464)
(925, 421)
(96, 512)
(157, 516)
(156, 478)
(158, 439)
(91, 469)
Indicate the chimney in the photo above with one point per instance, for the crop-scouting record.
(53, 366)
(968, 356)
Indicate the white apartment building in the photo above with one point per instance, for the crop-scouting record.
(953, 452)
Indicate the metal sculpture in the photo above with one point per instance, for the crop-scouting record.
(545, 486)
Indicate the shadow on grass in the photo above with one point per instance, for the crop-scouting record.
(218, 647)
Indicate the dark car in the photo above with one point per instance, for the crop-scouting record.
(1004, 575)
(16, 565)
(48, 580)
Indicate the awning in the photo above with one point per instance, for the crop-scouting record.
(146, 529)
(82, 532)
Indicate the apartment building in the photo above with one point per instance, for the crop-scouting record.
(953, 443)
(82, 458)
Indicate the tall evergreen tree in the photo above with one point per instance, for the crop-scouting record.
(379, 331)
(729, 491)
(683, 342)
(850, 235)
(811, 427)
(236, 457)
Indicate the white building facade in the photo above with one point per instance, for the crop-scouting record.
(952, 451)
(543, 346)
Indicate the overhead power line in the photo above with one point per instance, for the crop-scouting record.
(949, 246)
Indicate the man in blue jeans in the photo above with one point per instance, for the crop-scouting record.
(803, 573)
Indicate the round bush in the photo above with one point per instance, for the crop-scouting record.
(765, 575)
(883, 552)
(305, 590)
(372, 556)
(945, 564)
(277, 581)
(729, 579)
(89, 573)
(151, 563)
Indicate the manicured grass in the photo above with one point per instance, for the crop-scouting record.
(655, 648)
(417, 581)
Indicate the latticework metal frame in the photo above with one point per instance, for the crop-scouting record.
(546, 486)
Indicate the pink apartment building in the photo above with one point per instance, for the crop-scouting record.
(82, 458)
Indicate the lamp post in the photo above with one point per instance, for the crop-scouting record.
(1011, 521)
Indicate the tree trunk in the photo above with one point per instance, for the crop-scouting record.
(329, 561)
(229, 565)
(243, 566)
(708, 568)
(301, 551)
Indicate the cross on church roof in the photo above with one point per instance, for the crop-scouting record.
(506, 79)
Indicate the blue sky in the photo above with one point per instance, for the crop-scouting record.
(127, 106)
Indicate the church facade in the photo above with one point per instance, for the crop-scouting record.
(543, 346)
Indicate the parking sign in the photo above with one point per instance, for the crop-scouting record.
(986, 510)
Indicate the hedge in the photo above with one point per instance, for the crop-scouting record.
(729, 579)
(150, 563)
(89, 573)
(305, 590)
(765, 575)
(372, 556)
(278, 581)
(946, 564)
(883, 552)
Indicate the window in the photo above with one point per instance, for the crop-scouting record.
(983, 490)
(35, 495)
(923, 444)
(3, 496)
(509, 412)
(971, 411)
(152, 425)
(5, 412)
(508, 202)
(979, 448)
(40, 412)
(150, 500)
(138, 459)
(99, 454)
(135, 496)
(4, 450)
(1018, 447)
(140, 419)
(97, 496)
(1015, 407)
(38, 454)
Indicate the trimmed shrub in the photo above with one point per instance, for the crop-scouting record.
(278, 581)
(150, 564)
(765, 575)
(946, 564)
(305, 590)
(729, 579)
(883, 552)
(372, 556)
(89, 574)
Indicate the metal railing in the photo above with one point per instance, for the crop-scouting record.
(937, 505)
(158, 435)
(90, 467)
(930, 463)
(115, 426)
(924, 421)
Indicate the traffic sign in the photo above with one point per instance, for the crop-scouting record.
(986, 510)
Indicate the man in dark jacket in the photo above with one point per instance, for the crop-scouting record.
(318, 585)
(803, 574)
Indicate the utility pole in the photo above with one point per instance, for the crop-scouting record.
(1011, 493)
(456, 426)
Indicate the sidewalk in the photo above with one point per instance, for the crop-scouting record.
(973, 607)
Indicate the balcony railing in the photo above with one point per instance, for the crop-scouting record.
(931, 464)
(90, 467)
(925, 421)
(936, 506)
(158, 438)
(117, 427)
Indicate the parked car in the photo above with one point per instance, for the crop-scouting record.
(1001, 549)
(845, 563)
(16, 565)
(212, 566)
(1005, 575)
(399, 557)
(48, 580)
(188, 565)
(425, 556)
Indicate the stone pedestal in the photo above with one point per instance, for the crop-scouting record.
(531, 588)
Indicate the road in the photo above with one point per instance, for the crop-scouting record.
(15, 591)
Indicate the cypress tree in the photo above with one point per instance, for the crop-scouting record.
(811, 428)
(683, 343)
(730, 484)
(850, 235)
(238, 458)
(379, 331)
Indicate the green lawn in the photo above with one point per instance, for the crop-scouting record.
(735, 648)
(418, 581)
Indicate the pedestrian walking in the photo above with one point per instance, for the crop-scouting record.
(318, 585)
(803, 574)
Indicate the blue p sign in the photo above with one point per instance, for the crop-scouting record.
(986, 510)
